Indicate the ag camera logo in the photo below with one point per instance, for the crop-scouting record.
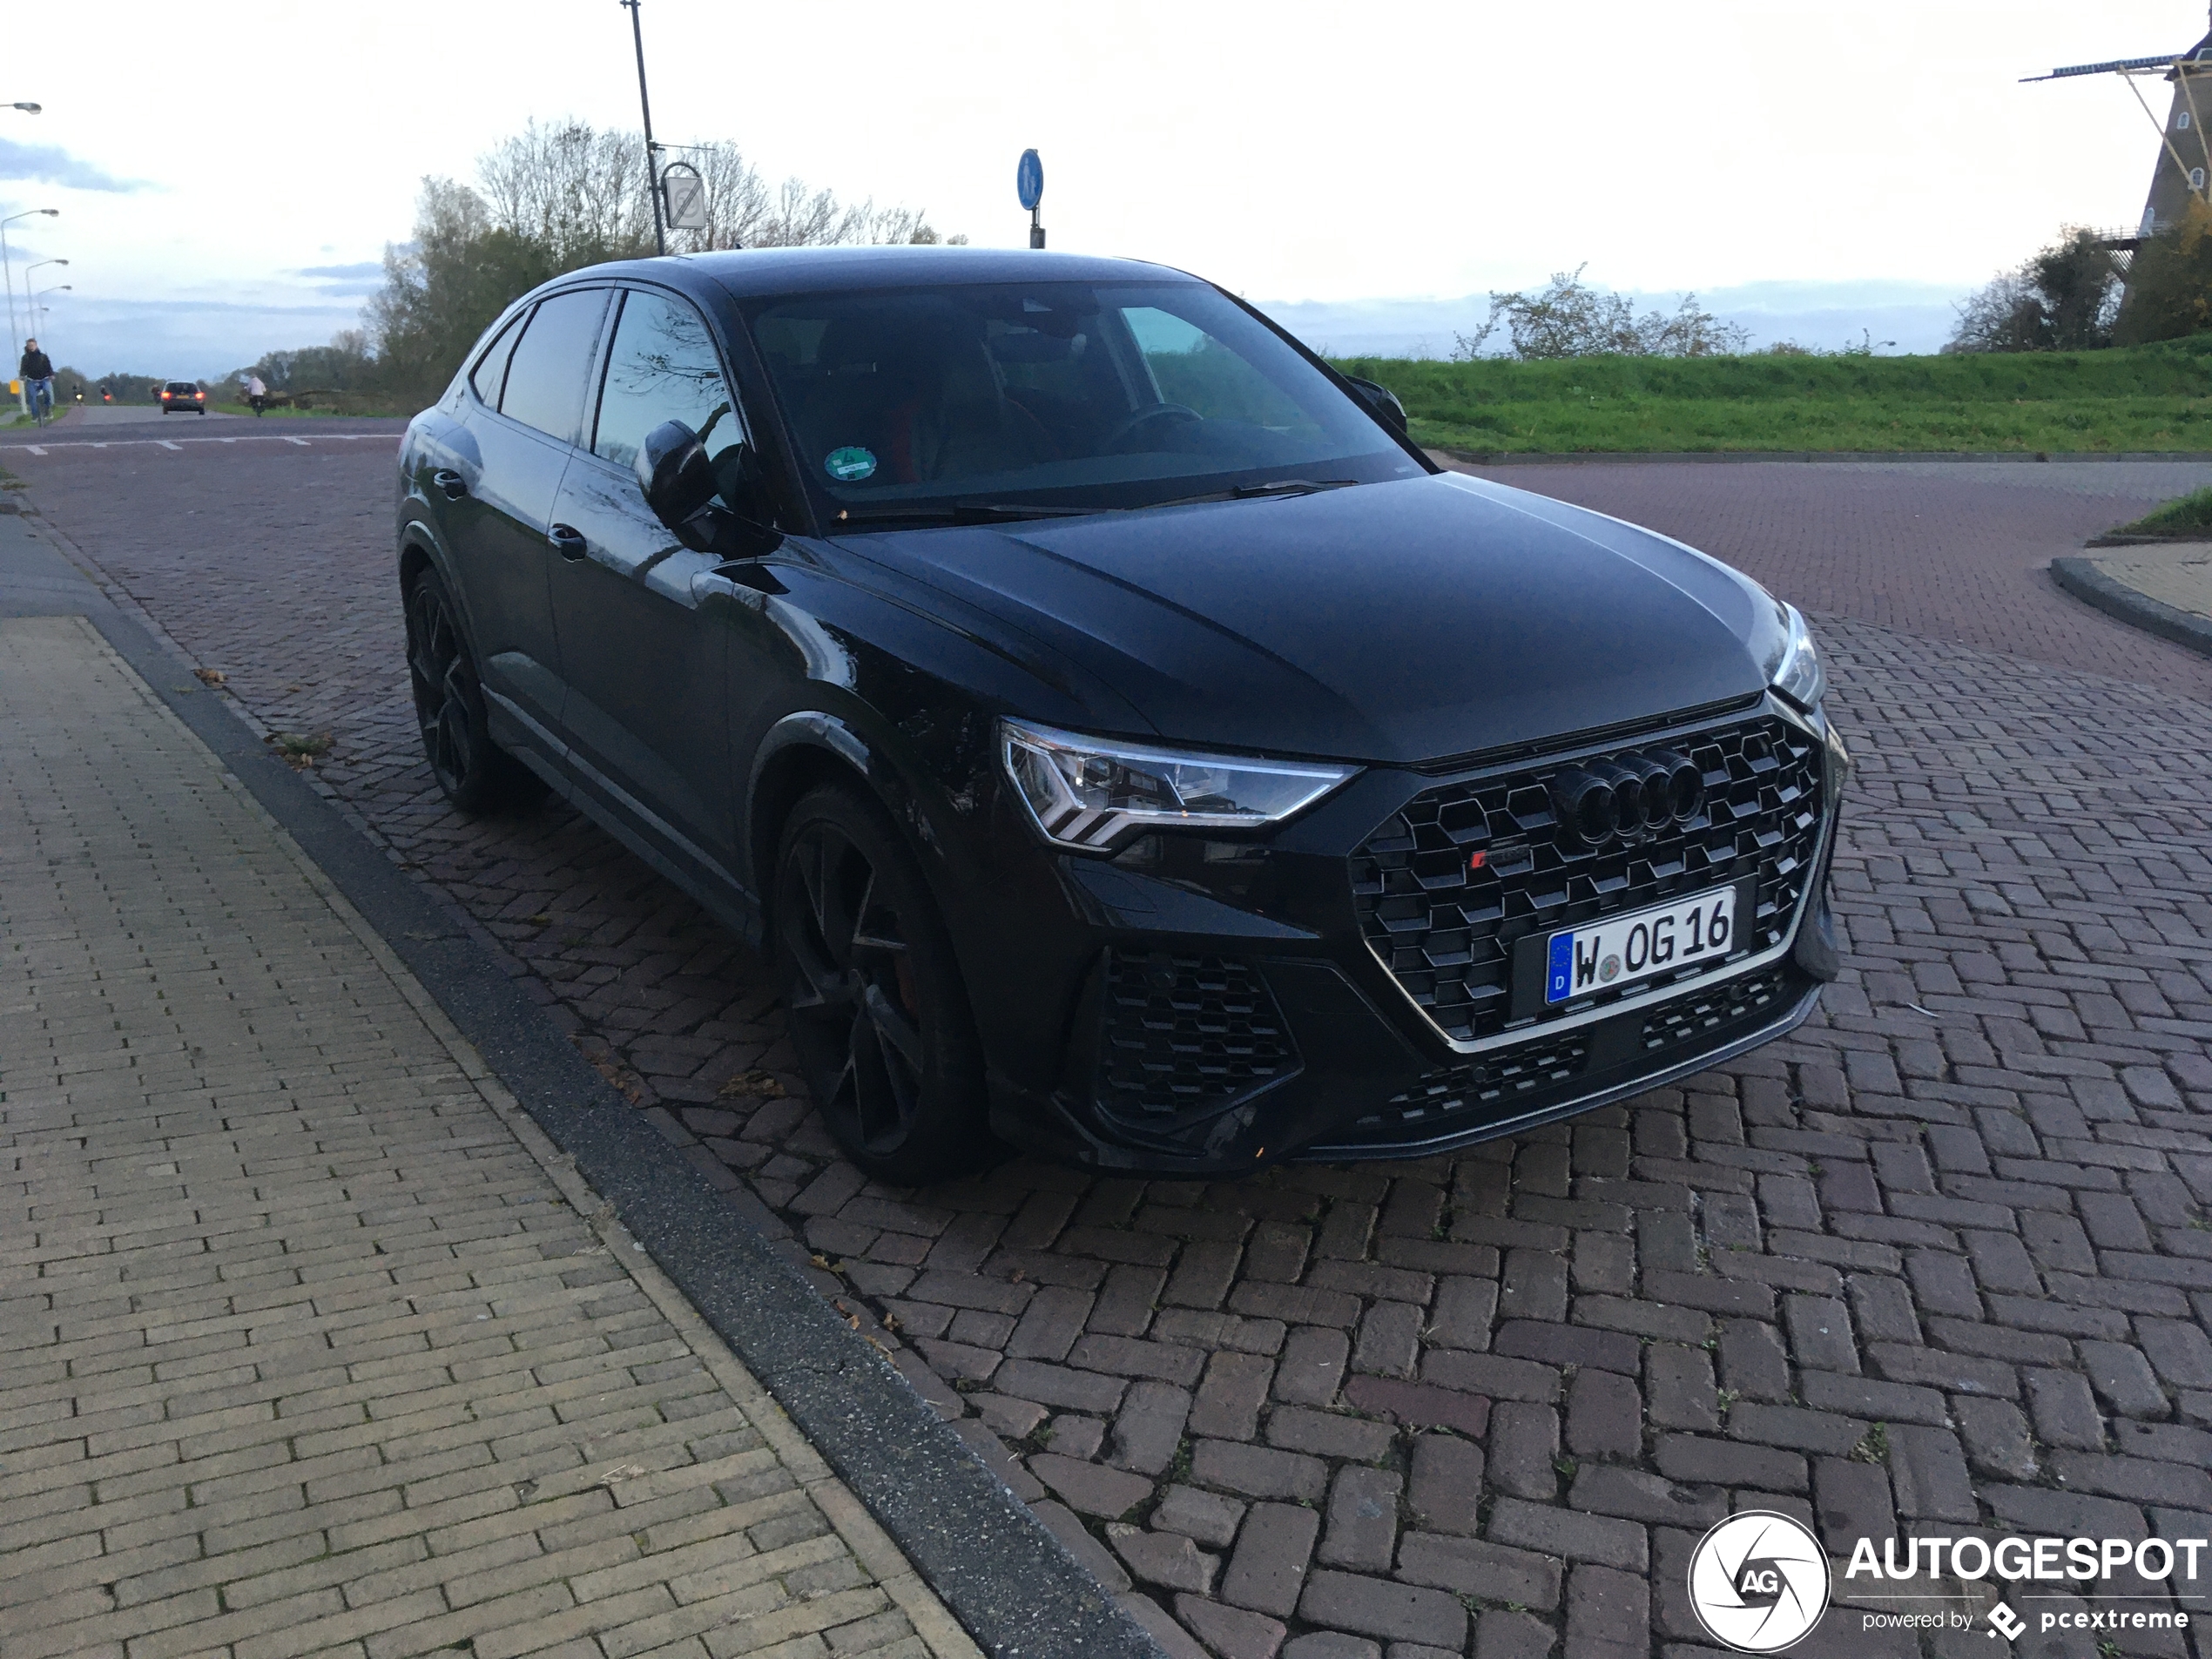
(1758, 1581)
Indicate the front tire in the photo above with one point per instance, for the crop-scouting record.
(879, 1012)
(476, 774)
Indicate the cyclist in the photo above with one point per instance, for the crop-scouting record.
(37, 371)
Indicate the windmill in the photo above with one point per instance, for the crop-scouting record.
(2184, 162)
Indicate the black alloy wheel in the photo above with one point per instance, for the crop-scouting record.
(878, 1010)
(477, 775)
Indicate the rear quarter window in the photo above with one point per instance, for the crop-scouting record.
(490, 373)
(552, 363)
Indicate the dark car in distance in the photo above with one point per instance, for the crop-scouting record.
(1127, 745)
(182, 395)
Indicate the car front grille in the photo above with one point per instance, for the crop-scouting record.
(1446, 924)
(1185, 1035)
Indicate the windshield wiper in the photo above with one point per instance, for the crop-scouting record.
(1254, 492)
(958, 512)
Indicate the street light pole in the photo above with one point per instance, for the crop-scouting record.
(38, 308)
(645, 108)
(14, 339)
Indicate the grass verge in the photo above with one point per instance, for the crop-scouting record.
(291, 414)
(2146, 398)
(2188, 519)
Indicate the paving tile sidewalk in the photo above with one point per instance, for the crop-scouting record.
(2177, 576)
(2164, 589)
(2180, 575)
(309, 1340)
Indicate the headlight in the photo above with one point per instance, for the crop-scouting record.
(1084, 792)
(1796, 672)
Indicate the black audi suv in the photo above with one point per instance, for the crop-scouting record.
(1126, 744)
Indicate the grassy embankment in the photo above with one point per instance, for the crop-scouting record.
(2142, 398)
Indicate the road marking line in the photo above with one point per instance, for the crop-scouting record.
(127, 443)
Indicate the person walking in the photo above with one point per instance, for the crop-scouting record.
(37, 371)
(256, 394)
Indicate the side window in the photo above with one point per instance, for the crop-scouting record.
(552, 365)
(663, 368)
(491, 367)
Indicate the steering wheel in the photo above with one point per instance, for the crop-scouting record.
(1146, 416)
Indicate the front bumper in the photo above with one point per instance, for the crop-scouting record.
(1222, 1006)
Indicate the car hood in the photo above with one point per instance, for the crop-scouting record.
(1390, 622)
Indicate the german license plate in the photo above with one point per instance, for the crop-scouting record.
(1621, 950)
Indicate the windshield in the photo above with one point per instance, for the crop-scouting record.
(1056, 395)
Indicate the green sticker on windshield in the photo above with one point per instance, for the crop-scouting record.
(849, 466)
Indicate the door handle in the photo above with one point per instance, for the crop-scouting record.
(450, 484)
(568, 542)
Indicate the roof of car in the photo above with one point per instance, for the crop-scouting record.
(756, 272)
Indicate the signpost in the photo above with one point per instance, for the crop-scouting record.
(686, 195)
(1029, 185)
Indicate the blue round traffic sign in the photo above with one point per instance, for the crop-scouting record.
(1028, 180)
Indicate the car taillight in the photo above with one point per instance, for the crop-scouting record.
(164, 395)
(201, 395)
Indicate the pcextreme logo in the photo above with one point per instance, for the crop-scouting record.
(1758, 1581)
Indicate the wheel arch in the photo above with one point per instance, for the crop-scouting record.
(416, 557)
(801, 752)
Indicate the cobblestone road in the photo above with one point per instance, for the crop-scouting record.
(1940, 1262)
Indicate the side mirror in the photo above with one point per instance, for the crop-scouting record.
(674, 472)
(1382, 401)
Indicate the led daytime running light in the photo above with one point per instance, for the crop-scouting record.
(1087, 793)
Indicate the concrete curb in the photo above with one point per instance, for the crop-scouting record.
(1678, 457)
(1013, 1586)
(2081, 579)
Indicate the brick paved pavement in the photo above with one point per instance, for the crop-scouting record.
(1935, 1262)
(308, 1342)
(1951, 550)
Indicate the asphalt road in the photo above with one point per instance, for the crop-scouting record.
(1963, 1204)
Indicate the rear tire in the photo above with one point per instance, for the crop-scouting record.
(879, 1011)
(477, 776)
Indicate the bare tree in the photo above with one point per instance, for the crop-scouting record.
(555, 197)
(573, 191)
(1568, 318)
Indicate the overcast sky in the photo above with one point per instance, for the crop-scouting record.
(229, 176)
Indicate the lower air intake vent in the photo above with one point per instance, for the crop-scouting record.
(1186, 1036)
(1692, 1017)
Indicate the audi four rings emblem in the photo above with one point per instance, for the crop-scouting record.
(1628, 793)
(1758, 1581)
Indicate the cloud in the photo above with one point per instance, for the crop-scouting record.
(359, 268)
(50, 165)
